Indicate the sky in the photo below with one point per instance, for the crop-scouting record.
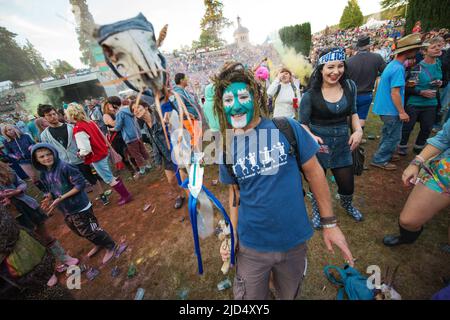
(50, 26)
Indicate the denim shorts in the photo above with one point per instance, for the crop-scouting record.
(103, 170)
(363, 103)
(335, 137)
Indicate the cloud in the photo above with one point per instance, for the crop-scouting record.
(29, 28)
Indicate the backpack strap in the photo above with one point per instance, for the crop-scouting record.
(294, 88)
(282, 124)
(279, 89)
(350, 94)
(332, 279)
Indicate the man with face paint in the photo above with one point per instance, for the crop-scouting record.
(238, 105)
(266, 197)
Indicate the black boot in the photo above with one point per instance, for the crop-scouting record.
(405, 237)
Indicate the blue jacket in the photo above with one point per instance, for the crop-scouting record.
(20, 148)
(126, 123)
(60, 179)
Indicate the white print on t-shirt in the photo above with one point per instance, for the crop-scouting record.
(265, 157)
(240, 163)
(280, 147)
(269, 160)
(252, 158)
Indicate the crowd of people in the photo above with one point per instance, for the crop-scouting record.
(201, 66)
(9, 102)
(321, 127)
(382, 37)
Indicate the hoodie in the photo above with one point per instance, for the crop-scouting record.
(208, 108)
(20, 148)
(126, 123)
(60, 179)
(68, 154)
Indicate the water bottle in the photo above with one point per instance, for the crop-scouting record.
(205, 216)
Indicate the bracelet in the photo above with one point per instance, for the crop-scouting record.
(328, 220)
(416, 162)
(420, 158)
(329, 226)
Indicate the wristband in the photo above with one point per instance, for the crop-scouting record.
(416, 162)
(329, 226)
(420, 158)
(328, 220)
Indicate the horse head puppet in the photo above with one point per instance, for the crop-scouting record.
(132, 52)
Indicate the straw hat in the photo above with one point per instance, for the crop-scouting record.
(409, 42)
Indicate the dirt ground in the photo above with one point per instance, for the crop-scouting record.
(160, 243)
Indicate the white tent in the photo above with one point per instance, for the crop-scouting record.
(374, 24)
(6, 85)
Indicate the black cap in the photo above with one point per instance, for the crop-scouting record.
(363, 41)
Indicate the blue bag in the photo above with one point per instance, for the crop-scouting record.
(351, 283)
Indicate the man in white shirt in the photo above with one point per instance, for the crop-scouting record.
(285, 95)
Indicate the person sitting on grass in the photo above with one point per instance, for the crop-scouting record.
(65, 190)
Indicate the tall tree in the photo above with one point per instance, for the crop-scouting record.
(432, 14)
(212, 25)
(388, 4)
(36, 60)
(352, 16)
(297, 37)
(85, 26)
(61, 67)
(14, 63)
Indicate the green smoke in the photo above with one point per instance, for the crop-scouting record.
(290, 59)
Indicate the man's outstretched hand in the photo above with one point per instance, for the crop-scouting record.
(335, 236)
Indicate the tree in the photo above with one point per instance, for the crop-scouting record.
(85, 28)
(352, 16)
(212, 25)
(389, 4)
(36, 60)
(297, 37)
(14, 62)
(61, 67)
(432, 14)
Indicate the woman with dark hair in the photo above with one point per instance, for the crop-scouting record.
(110, 107)
(325, 109)
(153, 126)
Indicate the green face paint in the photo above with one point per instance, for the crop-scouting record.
(238, 105)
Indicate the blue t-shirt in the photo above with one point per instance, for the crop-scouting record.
(392, 77)
(272, 213)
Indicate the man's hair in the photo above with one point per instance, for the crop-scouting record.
(179, 77)
(44, 108)
(114, 100)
